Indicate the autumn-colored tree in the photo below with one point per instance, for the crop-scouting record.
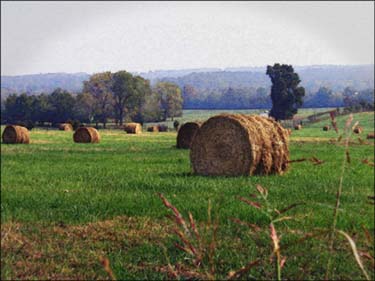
(170, 99)
(99, 86)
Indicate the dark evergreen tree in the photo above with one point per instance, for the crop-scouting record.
(286, 96)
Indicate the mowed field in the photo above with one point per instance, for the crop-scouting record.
(64, 206)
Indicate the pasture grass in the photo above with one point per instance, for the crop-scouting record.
(65, 204)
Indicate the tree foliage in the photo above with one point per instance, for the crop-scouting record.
(119, 96)
(286, 96)
(170, 99)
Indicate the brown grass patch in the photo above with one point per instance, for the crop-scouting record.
(40, 141)
(65, 252)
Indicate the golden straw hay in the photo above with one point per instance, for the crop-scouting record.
(133, 128)
(16, 134)
(66, 127)
(86, 135)
(326, 128)
(289, 131)
(357, 130)
(186, 134)
(153, 129)
(298, 127)
(237, 144)
(163, 128)
(371, 135)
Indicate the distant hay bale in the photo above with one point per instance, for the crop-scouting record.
(186, 134)
(357, 130)
(326, 128)
(153, 129)
(133, 128)
(163, 128)
(16, 134)
(237, 144)
(298, 127)
(371, 135)
(66, 127)
(86, 135)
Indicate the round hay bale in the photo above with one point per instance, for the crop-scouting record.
(326, 128)
(357, 130)
(66, 127)
(186, 134)
(298, 127)
(133, 128)
(163, 128)
(371, 135)
(153, 129)
(86, 135)
(236, 144)
(16, 134)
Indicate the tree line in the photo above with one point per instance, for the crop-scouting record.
(252, 98)
(106, 96)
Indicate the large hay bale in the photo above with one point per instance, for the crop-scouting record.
(133, 128)
(163, 128)
(357, 130)
(298, 127)
(66, 127)
(16, 134)
(236, 144)
(153, 129)
(371, 135)
(326, 128)
(186, 134)
(86, 135)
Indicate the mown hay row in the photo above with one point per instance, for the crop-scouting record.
(16, 134)
(186, 134)
(66, 127)
(86, 135)
(133, 128)
(237, 144)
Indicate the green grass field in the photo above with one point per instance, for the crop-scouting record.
(202, 115)
(64, 205)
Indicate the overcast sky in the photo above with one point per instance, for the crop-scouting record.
(41, 37)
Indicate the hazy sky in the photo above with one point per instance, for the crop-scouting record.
(41, 37)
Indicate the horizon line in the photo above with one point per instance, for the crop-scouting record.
(184, 69)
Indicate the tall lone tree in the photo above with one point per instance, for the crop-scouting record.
(286, 96)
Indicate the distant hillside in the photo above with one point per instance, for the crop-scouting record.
(312, 78)
(205, 79)
(38, 83)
